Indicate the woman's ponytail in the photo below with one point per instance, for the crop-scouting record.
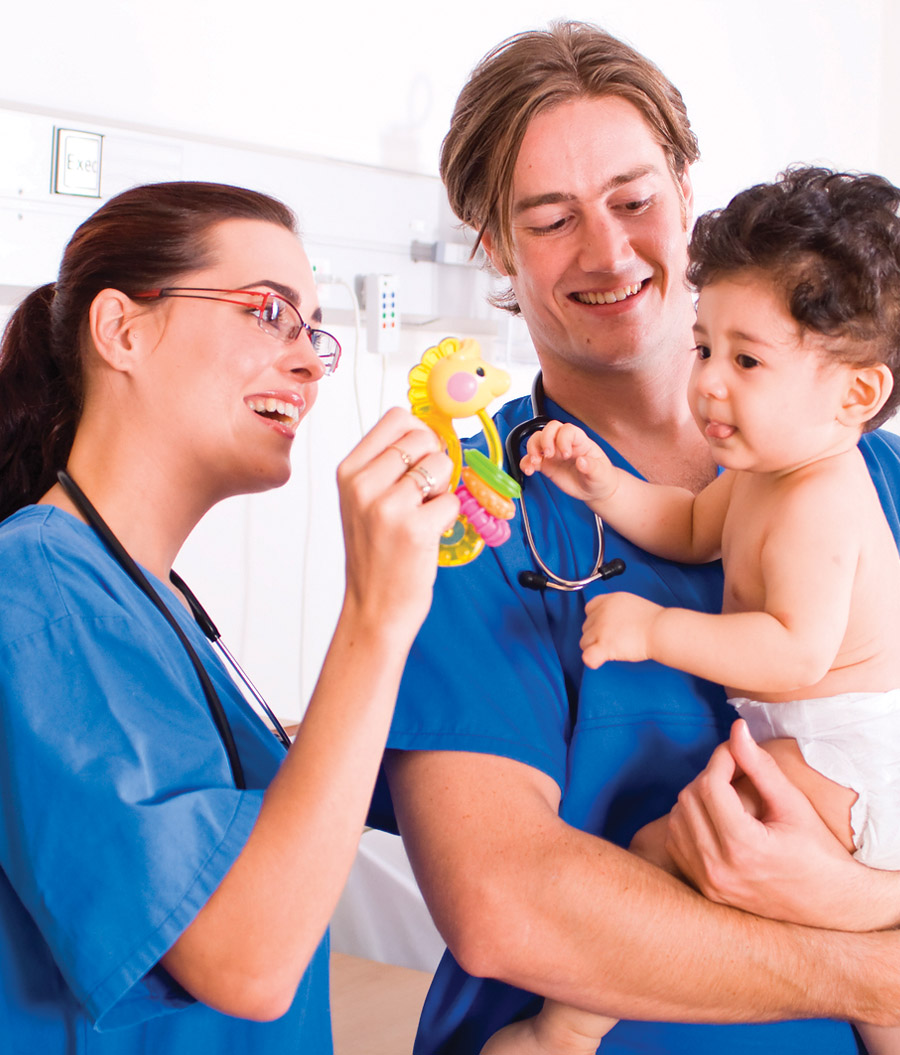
(39, 403)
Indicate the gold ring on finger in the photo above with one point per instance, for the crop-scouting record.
(428, 482)
(404, 457)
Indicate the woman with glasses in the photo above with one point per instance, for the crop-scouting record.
(167, 872)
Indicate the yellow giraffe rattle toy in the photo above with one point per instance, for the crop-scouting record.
(453, 381)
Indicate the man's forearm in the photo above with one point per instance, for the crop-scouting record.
(523, 897)
(645, 946)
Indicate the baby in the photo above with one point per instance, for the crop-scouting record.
(797, 350)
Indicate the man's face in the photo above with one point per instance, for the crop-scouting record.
(599, 238)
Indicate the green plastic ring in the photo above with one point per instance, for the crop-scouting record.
(492, 474)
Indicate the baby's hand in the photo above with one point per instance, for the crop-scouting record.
(617, 626)
(576, 464)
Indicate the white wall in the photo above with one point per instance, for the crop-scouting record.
(766, 83)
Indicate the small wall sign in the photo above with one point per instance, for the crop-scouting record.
(77, 163)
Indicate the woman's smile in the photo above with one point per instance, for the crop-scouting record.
(281, 410)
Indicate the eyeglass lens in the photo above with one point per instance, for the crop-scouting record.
(279, 317)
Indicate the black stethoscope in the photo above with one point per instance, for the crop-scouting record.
(120, 554)
(545, 579)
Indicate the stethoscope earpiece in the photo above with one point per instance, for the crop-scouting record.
(612, 568)
(533, 580)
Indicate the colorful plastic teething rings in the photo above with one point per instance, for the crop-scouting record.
(492, 474)
(494, 532)
(460, 544)
(492, 501)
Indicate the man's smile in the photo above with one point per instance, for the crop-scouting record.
(610, 296)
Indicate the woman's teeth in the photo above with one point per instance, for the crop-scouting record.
(288, 413)
(610, 297)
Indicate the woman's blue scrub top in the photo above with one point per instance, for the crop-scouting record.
(497, 669)
(119, 813)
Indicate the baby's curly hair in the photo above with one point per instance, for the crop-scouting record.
(830, 243)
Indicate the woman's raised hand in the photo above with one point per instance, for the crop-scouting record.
(394, 506)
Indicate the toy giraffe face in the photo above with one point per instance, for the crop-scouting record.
(453, 381)
(463, 383)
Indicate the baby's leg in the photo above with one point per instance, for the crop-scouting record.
(831, 801)
(880, 1040)
(557, 1030)
(650, 843)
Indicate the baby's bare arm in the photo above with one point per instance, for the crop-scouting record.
(791, 565)
(670, 522)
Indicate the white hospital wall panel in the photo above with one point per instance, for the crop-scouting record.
(32, 239)
(354, 217)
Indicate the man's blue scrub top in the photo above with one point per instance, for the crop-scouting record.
(497, 669)
(119, 814)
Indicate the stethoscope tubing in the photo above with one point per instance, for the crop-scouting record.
(134, 572)
(547, 579)
(209, 628)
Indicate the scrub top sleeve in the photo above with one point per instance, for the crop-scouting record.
(119, 817)
(483, 676)
(881, 451)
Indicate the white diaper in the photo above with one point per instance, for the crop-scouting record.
(854, 740)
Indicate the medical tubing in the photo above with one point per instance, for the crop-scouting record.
(209, 628)
(128, 565)
(545, 579)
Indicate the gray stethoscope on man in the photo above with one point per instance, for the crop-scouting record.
(546, 579)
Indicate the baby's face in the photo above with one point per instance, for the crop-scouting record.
(765, 394)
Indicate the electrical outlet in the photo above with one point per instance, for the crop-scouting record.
(382, 314)
(321, 269)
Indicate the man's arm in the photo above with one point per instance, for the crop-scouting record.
(523, 897)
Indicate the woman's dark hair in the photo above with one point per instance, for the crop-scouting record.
(830, 244)
(140, 240)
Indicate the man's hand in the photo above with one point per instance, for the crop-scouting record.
(747, 837)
